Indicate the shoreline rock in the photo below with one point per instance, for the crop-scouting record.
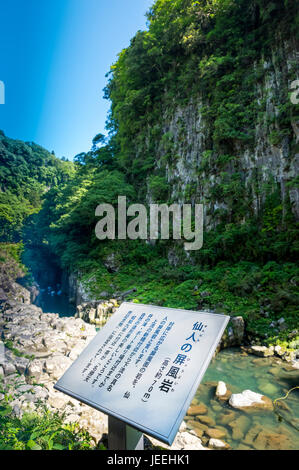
(250, 401)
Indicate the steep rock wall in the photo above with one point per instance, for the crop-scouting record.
(194, 167)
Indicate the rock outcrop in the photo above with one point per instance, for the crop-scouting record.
(98, 312)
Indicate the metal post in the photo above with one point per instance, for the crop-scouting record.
(123, 437)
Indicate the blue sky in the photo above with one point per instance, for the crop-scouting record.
(54, 55)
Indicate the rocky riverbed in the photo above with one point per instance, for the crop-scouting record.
(235, 404)
(37, 348)
(35, 351)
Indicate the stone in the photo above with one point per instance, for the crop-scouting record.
(274, 371)
(240, 427)
(57, 402)
(218, 444)
(187, 441)
(268, 440)
(215, 433)
(227, 417)
(221, 389)
(92, 314)
(196, 427)
(21, 364)
(207, 420)
(57, 365)
(34, 370)
(252, 434)
(244, 447)
(210, 384)
(268, 389)
(195, 410)
(261, 351)
(183, 426)
(199, 425)
(8, 368)
(217, 408)
(279, 351)
(295, 364)
(250, 401)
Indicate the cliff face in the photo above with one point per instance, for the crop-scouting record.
(194, 171)
(202, 112)
(10, 270)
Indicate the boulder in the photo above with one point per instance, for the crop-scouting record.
(21, 364)
(35, 370)
(240, 427)
(268, 440)
(8, 368)
(227, 417)
(187, 441)
(195, 410)
(261, 351)
(221, 389)
(216, 433)
(222, 393)
(207, 420)
(218, 444)
(250, 401)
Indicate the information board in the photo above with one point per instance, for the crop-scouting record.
(144, 366)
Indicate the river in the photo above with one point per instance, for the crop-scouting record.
(269, 376)
(263, 429)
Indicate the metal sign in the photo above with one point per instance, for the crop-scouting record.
(144, 366)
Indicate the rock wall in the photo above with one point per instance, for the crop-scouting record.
(187, 153)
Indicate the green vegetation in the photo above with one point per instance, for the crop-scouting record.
(262, 294)
(209, 59)
(11, 266)
(199, 62)
(208, 50)
(27, 171)
(39, 430)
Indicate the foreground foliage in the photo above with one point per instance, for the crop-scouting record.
(38, 430)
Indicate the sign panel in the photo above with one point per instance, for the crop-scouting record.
(144, 366)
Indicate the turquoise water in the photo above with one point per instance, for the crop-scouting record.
(261, 429)
(55, 304)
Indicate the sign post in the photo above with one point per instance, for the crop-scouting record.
(123, 437)
(143, 369)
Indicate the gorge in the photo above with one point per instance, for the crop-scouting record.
(204, 111)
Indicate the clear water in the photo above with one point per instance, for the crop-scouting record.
(268, 376)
